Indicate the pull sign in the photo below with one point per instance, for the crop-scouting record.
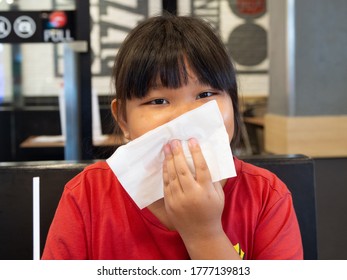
(46, 26)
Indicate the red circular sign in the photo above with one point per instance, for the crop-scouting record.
(58, 19)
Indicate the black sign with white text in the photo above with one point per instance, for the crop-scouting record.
(43, 26)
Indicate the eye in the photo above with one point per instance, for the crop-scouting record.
(205, 94)
(158, 101)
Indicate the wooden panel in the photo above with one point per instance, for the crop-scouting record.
(318, 136)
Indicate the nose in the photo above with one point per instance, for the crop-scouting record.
(184, 108)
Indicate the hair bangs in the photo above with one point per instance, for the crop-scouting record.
(170, 72)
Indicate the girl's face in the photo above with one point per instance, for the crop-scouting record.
(162, 105)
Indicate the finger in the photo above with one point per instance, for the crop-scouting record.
(171, 181)
(165, 171)
(183, 172)
(167, 189)
(202, 173)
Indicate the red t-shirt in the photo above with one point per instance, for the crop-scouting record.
(97, 219)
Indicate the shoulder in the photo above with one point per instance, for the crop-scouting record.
(257, 180)
(96, 174)
(96, 187)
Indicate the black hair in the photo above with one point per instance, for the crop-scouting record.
(159, 49)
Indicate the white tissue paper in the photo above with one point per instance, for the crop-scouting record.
(138, 164)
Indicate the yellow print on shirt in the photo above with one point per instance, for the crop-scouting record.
(239, 250)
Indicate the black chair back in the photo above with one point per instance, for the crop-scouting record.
(16, 236)
(297, 172)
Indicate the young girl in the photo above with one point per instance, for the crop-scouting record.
(167, 66)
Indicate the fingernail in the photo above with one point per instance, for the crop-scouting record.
(175, 144)
(192, 142)
(167, 149)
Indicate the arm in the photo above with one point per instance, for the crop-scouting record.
(278, 235)
(66, 238)
(195, 204)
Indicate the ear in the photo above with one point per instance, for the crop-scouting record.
(119, 116)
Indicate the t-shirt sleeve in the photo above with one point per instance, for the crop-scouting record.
(66, 238)
(277, 234)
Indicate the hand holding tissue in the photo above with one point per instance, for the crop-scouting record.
(138, 165)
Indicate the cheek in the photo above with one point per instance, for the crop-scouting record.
(228, 117)
(230, 127)
(138, 127)
(141, 123)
